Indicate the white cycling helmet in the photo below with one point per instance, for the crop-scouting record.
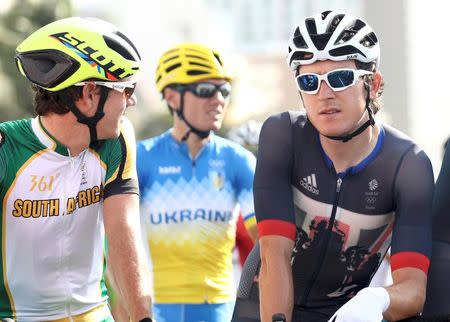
(333, 35)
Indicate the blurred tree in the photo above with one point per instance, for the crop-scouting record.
(18, 21)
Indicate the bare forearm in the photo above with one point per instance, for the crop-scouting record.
(407, 298)
(276, 291)
(130, 277)
(126, 254)
(275, 279)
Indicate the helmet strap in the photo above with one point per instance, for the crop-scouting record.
(369, 122)
(91, 121)
(192, 129)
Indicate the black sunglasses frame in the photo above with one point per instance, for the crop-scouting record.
(224, 89)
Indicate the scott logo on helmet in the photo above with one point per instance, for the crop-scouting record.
(93, 54)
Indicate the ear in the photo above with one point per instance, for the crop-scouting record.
(172, 97)
(87, 103)
(375, 85)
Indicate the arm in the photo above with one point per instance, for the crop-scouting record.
(274, 209)
(275, 278)
(411, 237)
(253, 232)
(126, 253)
(407, 293)
(244, 182)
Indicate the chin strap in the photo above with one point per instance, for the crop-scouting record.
(369, 122)
(192, 129)
(92, 121)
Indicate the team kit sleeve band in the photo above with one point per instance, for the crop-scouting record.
(410, 259)
(276, 227)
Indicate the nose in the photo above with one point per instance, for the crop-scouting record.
(132, 100)
(324, 90)
(218, 97)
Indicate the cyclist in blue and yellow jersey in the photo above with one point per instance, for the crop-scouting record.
(193, 184)
(334, 189)
(68, 179)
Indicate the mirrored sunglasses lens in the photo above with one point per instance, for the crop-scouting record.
(225, 90)
(308, 82)
(341, 78)
(205, 90)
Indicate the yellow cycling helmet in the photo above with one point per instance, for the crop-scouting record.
(189, 63)
(71, 50)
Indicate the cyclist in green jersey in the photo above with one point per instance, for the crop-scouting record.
(68, 179)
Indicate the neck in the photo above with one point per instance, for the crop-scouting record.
(193, 142)
(68, 131)
(348, 154)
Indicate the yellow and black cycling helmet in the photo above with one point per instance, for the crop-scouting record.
(189, 63)
(71, 50)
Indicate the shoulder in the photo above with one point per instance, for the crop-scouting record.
(149, 145)
(279, 128)
(399, 147)
(231, 148)
(16, 126)
(17, 130)
(398, 142)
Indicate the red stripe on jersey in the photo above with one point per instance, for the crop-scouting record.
(277, 227)
(410, 259)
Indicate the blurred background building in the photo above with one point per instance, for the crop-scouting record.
(253, 35)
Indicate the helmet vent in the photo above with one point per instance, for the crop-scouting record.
(195, 56)
(298, 39)
(370, 40)
(311, 26)
(170, 58)
(174, 66)
(334, 23)
(47, 68)
(195, 72)
(325, 14)
(350, 31)
(121, 35)
(320, 41)
(117, 47)
(346, 50)
(198, 64)
(301, 55)
(218, 59)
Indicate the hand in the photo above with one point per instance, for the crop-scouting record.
(367, 306)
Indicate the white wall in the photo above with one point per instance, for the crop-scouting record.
(428, 84)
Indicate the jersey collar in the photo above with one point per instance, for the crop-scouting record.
(360, 166)
(47, 139)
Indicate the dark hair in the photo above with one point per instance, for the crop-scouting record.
(376, 103)
(45, 102)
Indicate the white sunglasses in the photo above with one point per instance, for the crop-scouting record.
(127, 86)
(337, 80)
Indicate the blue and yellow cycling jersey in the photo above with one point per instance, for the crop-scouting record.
(189, 209)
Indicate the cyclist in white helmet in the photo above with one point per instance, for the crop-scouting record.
(334, 189)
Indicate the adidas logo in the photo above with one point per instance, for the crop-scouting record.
(310, 184)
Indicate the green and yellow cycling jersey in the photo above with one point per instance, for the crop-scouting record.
(52, 233)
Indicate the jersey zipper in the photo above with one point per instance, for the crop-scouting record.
(323, 251)
(194, 159)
